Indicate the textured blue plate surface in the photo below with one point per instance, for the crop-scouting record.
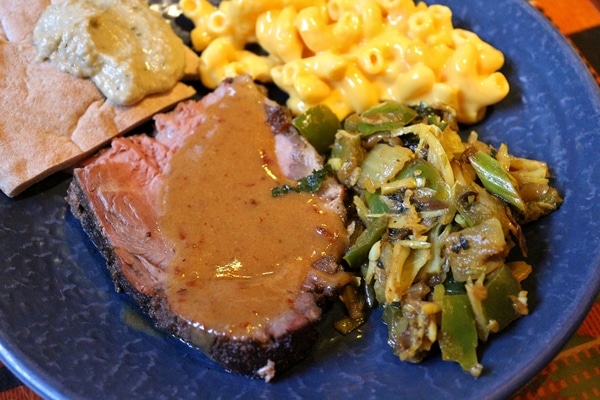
(67, 334)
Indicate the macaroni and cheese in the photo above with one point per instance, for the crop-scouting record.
(349, 54)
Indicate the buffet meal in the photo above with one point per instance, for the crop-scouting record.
(235, 221)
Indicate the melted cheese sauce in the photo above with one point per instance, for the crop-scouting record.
(241, 256)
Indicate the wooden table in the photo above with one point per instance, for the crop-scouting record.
(575, 372)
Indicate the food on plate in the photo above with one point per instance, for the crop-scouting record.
(128, 50)
(189, 228)
(437, 232)
(349, 55)
(225, 225)
(52, 119)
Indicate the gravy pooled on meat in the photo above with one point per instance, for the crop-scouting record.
(236, 246)
(189, 229)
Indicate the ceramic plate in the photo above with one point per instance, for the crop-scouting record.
(67, 334)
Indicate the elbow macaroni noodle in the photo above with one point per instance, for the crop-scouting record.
(349, 54)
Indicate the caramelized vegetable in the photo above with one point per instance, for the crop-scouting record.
(436, 218)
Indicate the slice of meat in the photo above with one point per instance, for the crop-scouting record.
(190, 230)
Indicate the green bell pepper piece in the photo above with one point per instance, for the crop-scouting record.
(502, 290)
(376, 203)
(358, 253)
(386, 116)
(318, 125)
(458, 337)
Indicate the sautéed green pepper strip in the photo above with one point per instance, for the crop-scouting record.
(386, 116)
(459, 340)
(495, 178)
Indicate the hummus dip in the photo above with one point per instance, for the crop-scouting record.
(125, 48)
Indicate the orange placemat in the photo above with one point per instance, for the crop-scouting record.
(575, 372)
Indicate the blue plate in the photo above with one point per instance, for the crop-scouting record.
(67, 334)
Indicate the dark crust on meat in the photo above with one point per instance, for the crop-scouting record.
(81, 209)
(244, 357)
(279, 119)
(252, 355)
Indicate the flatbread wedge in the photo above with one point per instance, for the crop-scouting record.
(50, 120)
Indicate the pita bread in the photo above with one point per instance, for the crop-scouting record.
(51, 120)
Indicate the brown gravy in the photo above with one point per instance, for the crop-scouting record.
(240, 256)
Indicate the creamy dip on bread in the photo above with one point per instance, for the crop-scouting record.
(128, 50)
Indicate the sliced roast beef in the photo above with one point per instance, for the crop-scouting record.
(187, 223)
